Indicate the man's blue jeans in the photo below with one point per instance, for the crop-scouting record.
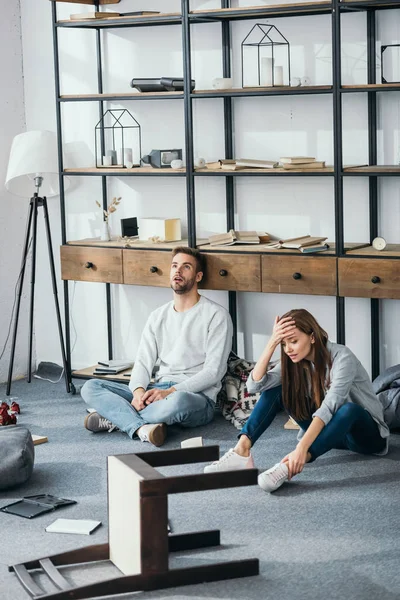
(351, 427)
(113, 401)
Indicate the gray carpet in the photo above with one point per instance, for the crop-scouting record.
(332, 533)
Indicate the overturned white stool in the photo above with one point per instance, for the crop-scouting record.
(139, 543)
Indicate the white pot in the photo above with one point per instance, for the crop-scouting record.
(105, 232)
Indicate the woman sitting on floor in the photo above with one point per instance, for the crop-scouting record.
(323, 387)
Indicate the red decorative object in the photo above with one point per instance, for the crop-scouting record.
(15, 409)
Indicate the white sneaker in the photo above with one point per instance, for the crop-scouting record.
(273, 478)
(230, 461)
(155, 433)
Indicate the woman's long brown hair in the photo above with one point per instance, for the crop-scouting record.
(299, 380)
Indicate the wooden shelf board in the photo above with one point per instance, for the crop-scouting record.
(371, 86)
(266, 90)
(135, 245)
(371, 3)
(127, 95)
(111, 20)
(249, 11)
(260, 249)
(390, 250)
(88, 373)
(276, 171)
(373, 169)
(134, 171)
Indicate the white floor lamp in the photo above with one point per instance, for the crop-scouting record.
(33, 162)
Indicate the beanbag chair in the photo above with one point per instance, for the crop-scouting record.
(17, 456)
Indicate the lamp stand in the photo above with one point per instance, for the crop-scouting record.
(31, 228)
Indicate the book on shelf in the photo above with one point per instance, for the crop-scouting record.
(230, 164)
(296, 160)
(94, 15)
(115, 363)
(253, 163)
(297, 243)
(213, 165)
(112, 15)
(316, 164)
(238, 237)
(247, 237)
(102, 369)
(315, 248)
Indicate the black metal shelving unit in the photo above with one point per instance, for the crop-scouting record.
(225, 15)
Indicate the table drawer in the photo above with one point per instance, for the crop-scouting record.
(299, 275)
(237, 272)
(84, 263)
(147, 267)
(369, 278)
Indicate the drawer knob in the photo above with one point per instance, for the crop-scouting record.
(153, 269)
(223, 272)
(296, 275)
(88, 265)
(375, 279)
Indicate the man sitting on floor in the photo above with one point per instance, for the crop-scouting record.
(191, 338)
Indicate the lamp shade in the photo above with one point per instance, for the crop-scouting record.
(33, 153)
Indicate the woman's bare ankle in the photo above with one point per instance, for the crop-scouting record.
(243, 446)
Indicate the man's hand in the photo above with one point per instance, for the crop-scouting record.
(137, 401)
(295, 461)
(156, 394)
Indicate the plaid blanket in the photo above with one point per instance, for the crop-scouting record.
(234, 400)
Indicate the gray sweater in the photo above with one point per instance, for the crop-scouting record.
(192, 348)
(349, 382)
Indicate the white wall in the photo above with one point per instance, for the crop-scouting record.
(13, 211)
(263, 128)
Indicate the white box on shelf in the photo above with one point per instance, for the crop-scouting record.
(166, 230)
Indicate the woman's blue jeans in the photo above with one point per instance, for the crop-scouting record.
(351, 427)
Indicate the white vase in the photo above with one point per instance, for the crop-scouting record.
(267, 66)
(105, 232)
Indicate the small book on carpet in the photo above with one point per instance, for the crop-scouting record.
(39, 439)
(81, 526)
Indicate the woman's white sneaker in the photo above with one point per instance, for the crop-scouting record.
(230, 461)
(273, 478)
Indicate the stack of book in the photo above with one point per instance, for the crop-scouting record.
(233, 164)
(238, 237)
(305, 243)
(301, 162)
(112, 367)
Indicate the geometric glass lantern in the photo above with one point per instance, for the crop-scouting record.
(390, 63)
(268, 57)
(118, 140)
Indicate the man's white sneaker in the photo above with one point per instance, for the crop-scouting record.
(230, 461)
(273, 478)
(155, 433)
